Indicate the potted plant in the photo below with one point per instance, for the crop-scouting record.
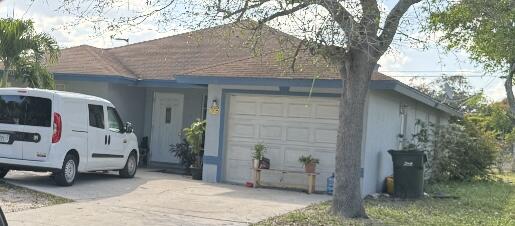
(258, 155)
(195, 137)
(183, 152)
(309, 163)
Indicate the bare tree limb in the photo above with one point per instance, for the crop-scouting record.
(296, 54)
(392, 23)
(285, 12)
(340, 15)
(371, 14)
(241, 11)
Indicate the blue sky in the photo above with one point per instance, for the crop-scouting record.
(404, 62)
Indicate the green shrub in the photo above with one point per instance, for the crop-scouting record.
(463, 152)
(183, 152)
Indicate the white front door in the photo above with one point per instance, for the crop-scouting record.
(166, 126)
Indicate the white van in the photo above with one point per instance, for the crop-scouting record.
(64, 133)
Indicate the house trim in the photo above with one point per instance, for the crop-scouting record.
(257, 81)
(118, 79)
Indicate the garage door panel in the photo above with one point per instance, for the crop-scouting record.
(326, 160)
(273, 132)
(292, 155)
(299, 110)
(241, 174)
(325, 111)
(272, 109)
(297, 134)
(244, 130)
(276, 156)
(325, 135)
(244, 108)
(240, 151)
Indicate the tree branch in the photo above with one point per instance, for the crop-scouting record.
(285, 12)
(371, 14)
(392, 23)
(296, 54)
(240, 11)
(341, 15)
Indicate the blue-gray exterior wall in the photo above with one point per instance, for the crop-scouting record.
(383, 125)
(125, 98)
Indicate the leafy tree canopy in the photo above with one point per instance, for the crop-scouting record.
(483, 28)
(25, 53)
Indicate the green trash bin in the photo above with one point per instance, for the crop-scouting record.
(408, 173)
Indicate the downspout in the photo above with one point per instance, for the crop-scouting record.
(404, 117)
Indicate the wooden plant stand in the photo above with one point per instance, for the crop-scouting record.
(311, 177)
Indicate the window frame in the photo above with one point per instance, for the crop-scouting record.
(27, 114)
(118, 118)
(96, 120)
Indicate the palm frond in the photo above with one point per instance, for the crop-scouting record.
(26, 53)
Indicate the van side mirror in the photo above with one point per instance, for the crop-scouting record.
(128, 127)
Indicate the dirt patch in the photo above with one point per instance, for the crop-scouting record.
(14, 198)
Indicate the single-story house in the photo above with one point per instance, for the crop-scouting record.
(163, 85)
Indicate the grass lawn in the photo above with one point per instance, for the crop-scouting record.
(479, 203)
(14, 198)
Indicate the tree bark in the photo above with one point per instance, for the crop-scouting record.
(356, 72)
(508, 86)
(5, 75)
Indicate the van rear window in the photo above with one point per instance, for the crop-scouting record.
(25, 110)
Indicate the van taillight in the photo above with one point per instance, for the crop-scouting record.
(58, 127)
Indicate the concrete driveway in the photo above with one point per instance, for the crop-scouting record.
(154, 198)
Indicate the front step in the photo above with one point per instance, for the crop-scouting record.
(173, 168)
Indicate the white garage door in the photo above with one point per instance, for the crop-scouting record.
(290, 127)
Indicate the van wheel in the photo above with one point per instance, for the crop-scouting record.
(68, 173)
(3, 172)
(130, 167)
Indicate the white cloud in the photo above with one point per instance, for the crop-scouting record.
(68, 33)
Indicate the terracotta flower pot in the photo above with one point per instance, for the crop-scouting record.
(310, 167)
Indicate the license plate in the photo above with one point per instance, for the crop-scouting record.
(4, 138)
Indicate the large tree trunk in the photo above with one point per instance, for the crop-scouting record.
(5, 75)
(356, 73)
(508, 86)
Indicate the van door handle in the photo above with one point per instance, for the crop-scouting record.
(105, 140)
(109, 140)
(124, 141)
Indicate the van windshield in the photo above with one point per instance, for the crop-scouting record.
(24, 110)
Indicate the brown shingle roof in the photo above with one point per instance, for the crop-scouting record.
(219, 51)
(90, 60)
